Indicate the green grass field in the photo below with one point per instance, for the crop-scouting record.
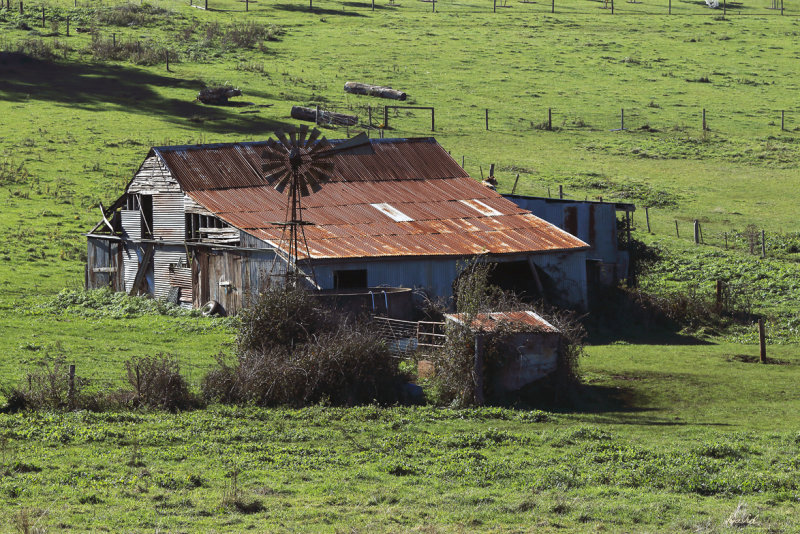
(670, 435)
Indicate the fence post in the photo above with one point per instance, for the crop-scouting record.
(560, 191)
(719, 296)
(726, 240)
(514, 188)
(705, 127)
(782, 117)
(247, 5)
(71, 384)
(622, 118)
(677, 234)
(549, 118)
(369, 112)
(478, 369)
(494, 7)
(67, 26)
(781, 7)
(433, 119)
(763, 245)
(696, 232)
(373, 5)
(487, 118)
(21, 11)
(553, 8)
(462, 161)
(385, 116)
(669, 12)
(166, 53)
(762, 341)
(612, 7)
(646, 216)
(42, 16)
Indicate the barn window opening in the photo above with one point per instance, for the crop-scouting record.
(350, 279)
(146, 206)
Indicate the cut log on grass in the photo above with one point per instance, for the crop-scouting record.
(373, 90)
(325, 117)
(217, 95)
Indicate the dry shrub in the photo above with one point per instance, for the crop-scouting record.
(290, 350)
(139, 52)
(157, 383)
(131, 15)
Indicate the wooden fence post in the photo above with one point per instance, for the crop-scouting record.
(514, 188)
(478, 369)
(247, 5)
(487, 118)
(433, 119)
(549, 118)
(462, 161)
(705, 126)
(166, 53)
(42, 16)
(763, 245)
(782, 117)
(560, 191)
(553, 8)
(669, 12)
(677, 234)
(646, 216)
(696, 231)
(719, 296)
(494, 7)
(71, 386)
(385, 116)
(21, 10)
(762, 341)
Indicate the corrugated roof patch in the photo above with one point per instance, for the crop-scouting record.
(481, 208)
(392, 212)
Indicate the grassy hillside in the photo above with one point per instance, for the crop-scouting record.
(670, 435)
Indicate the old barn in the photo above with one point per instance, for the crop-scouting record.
(200, 223)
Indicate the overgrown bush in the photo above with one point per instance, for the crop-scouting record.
(290, 350)
(157, 383)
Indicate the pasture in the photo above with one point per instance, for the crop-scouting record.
(673, 430)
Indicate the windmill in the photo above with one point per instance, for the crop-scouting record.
(298, 166)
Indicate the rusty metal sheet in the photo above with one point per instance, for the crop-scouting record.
(414, 176)
(488, 322)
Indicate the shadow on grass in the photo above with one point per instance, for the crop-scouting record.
(99, 87)
(639, 335)
(367, 5)
(302, 8)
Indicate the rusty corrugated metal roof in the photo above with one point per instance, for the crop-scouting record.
(414, 176)
(488, 322)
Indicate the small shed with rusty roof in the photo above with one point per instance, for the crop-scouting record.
(529, 345)
(197, 224)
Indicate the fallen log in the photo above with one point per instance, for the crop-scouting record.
(373, 90)
(218, 95)
(325, 117)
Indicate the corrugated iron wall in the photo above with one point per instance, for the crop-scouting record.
(568, 273)
(169, 220)
(131, 224)
(165, 260)
(435, 275)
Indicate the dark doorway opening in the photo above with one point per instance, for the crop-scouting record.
(350, 279)
(518, 277)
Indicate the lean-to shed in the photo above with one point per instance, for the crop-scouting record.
(198, 223)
